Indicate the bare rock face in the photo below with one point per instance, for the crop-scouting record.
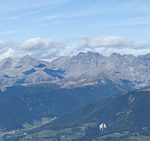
(83, 69)
(121, 69)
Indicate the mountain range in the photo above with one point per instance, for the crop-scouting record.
(75, 71)
(69, 97)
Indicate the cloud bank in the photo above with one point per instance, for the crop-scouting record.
(49, 49)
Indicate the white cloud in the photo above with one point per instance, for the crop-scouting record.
(7, 53)
(42, 48)
(37, 43)
(111, 44)
(111, 41)
(49, 48)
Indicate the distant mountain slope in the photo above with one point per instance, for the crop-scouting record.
(126, 117)
(20, 104)
(128, 112)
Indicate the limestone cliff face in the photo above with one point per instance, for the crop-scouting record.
(83, 69)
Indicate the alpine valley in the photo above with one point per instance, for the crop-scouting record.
(85, 97)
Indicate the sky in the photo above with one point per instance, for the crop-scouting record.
(72, 25)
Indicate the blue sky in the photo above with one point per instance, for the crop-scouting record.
(67, 19)
(47, 29)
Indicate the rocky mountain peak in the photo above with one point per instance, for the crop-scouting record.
(83, 68)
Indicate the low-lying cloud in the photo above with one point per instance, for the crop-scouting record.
(50, 49)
